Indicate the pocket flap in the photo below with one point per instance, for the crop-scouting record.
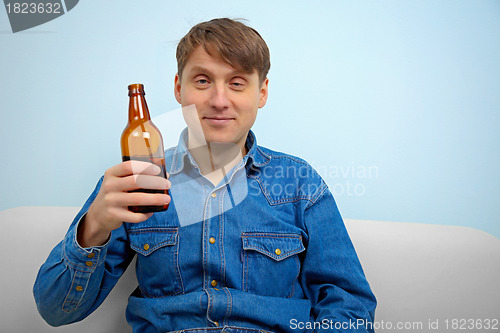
(147, 240)
(274, 245)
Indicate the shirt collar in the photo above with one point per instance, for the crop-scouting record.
(255, 156)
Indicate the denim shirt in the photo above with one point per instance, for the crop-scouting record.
(264, 250)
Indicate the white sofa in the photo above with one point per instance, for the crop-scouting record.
(421, 274)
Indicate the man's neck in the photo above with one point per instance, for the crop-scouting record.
(215, 159)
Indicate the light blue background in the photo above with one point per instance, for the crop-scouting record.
(397, 103)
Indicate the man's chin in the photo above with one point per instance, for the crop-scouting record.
(219, 137)
(216, 137)
(217, 142)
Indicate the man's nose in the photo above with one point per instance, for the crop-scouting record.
(219, 99)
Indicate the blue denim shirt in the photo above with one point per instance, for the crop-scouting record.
(266, 250)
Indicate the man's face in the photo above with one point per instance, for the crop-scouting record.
(226, 99)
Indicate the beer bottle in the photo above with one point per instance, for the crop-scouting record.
(142, 141)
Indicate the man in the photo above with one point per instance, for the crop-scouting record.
(252, 240)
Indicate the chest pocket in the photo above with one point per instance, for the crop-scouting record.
(157, 267)
(271, 265)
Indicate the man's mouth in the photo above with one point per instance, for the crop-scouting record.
(218, 121)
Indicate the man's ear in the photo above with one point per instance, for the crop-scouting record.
(177, 88)
(263, 93)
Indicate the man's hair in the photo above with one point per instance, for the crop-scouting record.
(236, 43)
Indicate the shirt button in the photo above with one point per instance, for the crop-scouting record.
(89, 263)
(214, 195)
(79, 288)
(211, 240)
(91, 255)
(216, 323)
(213, 283)
(277, 251)
(146, 247)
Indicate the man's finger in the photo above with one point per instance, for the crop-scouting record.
(135, 182)
(141, 199)
(128, 168)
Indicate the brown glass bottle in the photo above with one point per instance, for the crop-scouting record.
(142, 141)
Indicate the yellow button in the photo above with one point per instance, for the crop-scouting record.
(277, 251)
(216, 323)
(214, 195)
(213, 283)
(89, 263)
(79, 288)
(146, 247)
(211, 240)
(91, 255)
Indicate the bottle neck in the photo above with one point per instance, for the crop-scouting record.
(138, 109)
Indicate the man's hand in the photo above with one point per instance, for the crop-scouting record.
(110, 208)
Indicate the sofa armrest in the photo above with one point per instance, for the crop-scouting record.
(422, 272)
(28, 235)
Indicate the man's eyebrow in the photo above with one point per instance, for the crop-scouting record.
(200, 69)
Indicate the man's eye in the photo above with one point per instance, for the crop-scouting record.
(202, 81)
(237, 85)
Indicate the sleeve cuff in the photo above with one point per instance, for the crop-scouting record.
(83, 259)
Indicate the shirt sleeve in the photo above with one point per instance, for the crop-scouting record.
(74, 281)
(331, 275)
